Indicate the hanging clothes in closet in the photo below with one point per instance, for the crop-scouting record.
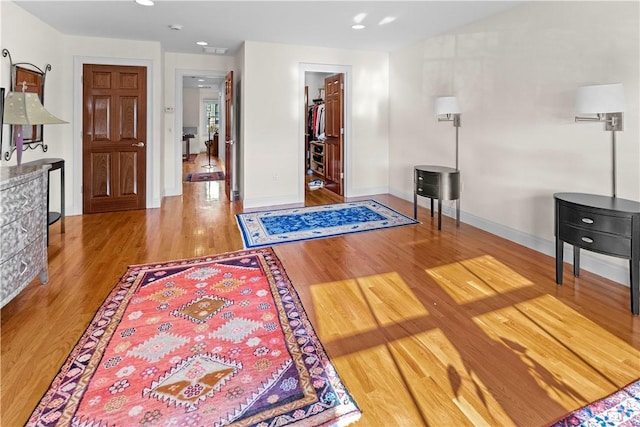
(316, 120)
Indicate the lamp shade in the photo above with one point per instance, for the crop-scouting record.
(447, 105)
(597, 99)
(25, 108)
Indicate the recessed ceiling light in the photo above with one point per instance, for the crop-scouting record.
(200, 80)
(144, 2)
(387, 20)
(202, 43)
(359, 18)
(357, 26)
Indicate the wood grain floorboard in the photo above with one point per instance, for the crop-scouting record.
(425, 327)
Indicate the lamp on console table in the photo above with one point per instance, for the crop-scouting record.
(603, 103)
(448, 110)
(25, 108)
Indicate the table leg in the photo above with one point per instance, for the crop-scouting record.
(559, 260)
(439, 214)
(415, 205)
(634, 268)
(457, 212)
(431, 207)
(576, 261)
(62, 199)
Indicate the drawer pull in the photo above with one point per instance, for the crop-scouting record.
(24, 266)
(587, 220)
(420, 178)
(587, 239)
(419, 189)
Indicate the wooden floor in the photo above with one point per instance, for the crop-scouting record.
(448, 328)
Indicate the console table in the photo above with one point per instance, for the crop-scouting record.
(54, 164)
(436, 182)
(607, 225)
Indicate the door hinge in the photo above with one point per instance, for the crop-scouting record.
(341, 131)
(341, 175)
(341, 85)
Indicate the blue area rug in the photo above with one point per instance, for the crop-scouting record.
(270, 227)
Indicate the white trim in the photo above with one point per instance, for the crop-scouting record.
(180, 74)
(347, 164)
(588, 261)
(76, 185)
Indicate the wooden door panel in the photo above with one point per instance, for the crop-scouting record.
(128, 173)
(114, 124)
(100, 175)
(128, 119)
(99, 126)
(334, 124)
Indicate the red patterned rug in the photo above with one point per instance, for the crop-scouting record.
(204, 342)
(622, 408)
(205, 176)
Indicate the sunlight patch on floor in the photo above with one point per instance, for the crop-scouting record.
(350, 317)
(561, 359)
(477, 278)
(390, 299)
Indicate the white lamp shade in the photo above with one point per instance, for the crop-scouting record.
(25, 108)
(447, 105)
(597, 99)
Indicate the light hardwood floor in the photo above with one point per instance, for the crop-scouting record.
(450, 328)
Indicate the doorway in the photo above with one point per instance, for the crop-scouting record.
(325, 129)
(194, 90)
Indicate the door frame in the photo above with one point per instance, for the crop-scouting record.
(346, 143)
(78, 105)
(178, 109)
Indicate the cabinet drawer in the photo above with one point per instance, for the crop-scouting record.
(426, 178)
(18, 270)
(16, 202)
(590, 220)
(595, 241)
(19, 233)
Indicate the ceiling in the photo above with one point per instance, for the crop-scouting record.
(227, 24)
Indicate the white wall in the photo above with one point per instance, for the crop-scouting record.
(273, 121)
(515, 75)
(190, 107)
(30, 40)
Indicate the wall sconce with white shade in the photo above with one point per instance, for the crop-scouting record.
(603, 103)
(25, 108)
(448, 110)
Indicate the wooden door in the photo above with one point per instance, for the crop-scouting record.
(228, 137)
(114, 129)
(334, 132)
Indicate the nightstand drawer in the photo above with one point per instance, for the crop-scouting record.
(595, 241)
(590, 220)
(426, 178)
(427, 190)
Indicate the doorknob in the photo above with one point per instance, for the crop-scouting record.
(139, 144)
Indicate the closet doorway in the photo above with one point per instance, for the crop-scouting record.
(324, 130)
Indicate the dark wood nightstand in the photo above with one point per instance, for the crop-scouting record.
(607, 225)
(436, 182)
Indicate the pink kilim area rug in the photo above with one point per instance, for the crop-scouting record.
(622, 408)
(199, 342)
